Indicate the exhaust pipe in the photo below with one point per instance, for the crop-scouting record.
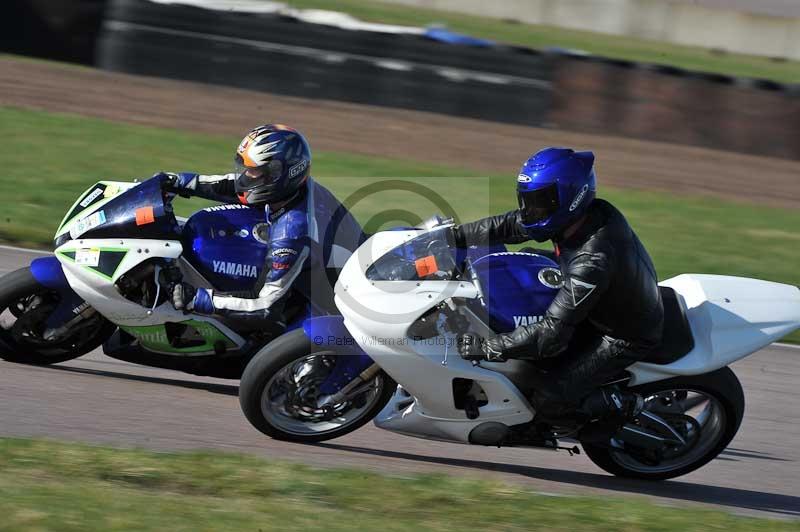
(489, 433)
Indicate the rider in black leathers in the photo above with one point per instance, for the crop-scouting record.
(610, 285)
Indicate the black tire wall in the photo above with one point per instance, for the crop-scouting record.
(514, 85)
(280, 55)
(54, 29)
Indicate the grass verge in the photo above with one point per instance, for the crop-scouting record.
(540, 37)
(48, 159)
(58, 486)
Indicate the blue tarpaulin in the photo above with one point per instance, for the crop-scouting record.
(451, 37)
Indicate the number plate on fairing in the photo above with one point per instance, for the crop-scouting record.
(87, 257)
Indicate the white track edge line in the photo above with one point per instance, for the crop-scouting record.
(790, 346)
(27, 250)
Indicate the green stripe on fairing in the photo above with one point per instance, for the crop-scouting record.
(65, 223)
(64, 252)
(154, 337)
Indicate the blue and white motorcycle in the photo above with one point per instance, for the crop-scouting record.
(117, 251)
(406, 295)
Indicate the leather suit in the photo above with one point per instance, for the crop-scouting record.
(607, 315)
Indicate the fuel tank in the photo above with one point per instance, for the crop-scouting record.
(227, 244)
(516, 288)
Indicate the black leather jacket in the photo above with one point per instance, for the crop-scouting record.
(609, 280)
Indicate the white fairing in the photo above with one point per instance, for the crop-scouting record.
(101, 293)
(730, 318)
(378, 315)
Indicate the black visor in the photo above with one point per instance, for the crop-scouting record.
(537, 205)
(248, 178)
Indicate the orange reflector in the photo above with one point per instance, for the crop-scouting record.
(426, 266)
(145, 216)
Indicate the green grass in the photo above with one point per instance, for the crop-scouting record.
(56, 486)
(48, 159)
(536, 36)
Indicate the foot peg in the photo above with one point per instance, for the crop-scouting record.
(571, 450)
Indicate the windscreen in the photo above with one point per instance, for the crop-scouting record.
(138, 212)
(429, 257)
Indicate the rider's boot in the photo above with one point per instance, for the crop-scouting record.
(549, 400)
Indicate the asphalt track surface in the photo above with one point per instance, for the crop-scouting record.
(100, 400)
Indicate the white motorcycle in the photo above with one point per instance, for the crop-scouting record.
(406, 295)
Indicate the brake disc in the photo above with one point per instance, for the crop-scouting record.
(28, 327)
(301, 383)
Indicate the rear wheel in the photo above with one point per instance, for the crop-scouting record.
(279, 393)
(705, 410)
(25, 306)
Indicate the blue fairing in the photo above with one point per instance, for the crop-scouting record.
(517, 288)
(48, 272)
(223, 244)
(473, 253)
(330, 333)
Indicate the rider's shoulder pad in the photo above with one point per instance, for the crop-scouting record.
(292, 225)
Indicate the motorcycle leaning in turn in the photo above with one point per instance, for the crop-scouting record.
(117, 251)
(406, 295)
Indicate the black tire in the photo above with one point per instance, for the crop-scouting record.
(20, 284)
(722, 384)
(274, 357)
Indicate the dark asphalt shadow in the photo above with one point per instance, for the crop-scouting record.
(222, 389)
(755, 455)
(693, 492)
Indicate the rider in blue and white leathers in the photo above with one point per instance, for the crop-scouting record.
(308, 231)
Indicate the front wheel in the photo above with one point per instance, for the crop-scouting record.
(25, 307)
(280, 396)
(706, 410)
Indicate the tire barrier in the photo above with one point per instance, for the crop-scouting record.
(279, 54)
(55, 29)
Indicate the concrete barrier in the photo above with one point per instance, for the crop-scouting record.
(757, 32)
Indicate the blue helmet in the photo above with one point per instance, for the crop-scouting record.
(272, 162)
(554, 189)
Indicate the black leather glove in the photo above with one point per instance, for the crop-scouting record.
(175, 183)
(474, 347)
